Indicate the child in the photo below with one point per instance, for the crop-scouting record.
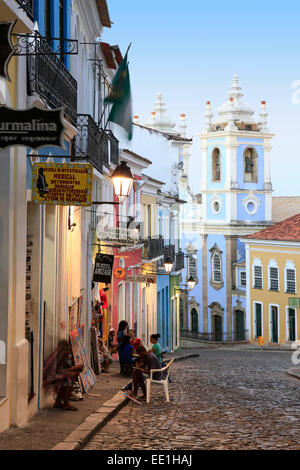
(135, 342)
(156, 349)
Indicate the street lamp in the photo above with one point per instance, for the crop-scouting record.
(191, 283)
(122, 180)
(168, 264)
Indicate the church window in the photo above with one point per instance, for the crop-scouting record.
(216, 207)
(216, 262)
(216, 165)
(250, 165)
(216, 280)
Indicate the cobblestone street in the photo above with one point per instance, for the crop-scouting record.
(224, 399)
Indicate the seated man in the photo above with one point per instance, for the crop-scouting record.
(146, 362)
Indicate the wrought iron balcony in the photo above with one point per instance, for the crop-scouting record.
(169, 252)
(153, 248)
(179, 264)
(92, 145)
(27, 6)
(49, 77)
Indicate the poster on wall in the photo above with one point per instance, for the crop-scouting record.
(87, 377)
(62, 184)
(103, 268)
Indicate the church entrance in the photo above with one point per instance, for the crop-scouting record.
(239, 325)
(194, 315)
(218, 328)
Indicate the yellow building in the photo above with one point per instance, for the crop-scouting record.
(273, 279)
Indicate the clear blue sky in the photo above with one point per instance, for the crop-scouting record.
(189, 50)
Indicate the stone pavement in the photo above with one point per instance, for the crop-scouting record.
(65, 430)
(225, 399)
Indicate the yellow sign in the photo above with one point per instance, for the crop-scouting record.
(62, 184)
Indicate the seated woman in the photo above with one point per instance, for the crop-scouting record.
(146, 362)
(58, 372)
(107, 359)
(156, 348)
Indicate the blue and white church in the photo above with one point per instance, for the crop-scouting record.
(234, 200)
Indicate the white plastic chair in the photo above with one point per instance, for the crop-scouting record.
(163, 382)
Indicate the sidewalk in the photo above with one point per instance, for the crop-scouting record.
(295, 372)
(55, 429)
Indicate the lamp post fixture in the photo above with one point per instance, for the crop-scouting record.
(122, 180)
(168, 264)
(191, 283)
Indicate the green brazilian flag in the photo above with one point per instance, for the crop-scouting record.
(120, 96)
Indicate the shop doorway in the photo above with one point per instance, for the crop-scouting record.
(292, 324)
(274, 324)
(258, 320)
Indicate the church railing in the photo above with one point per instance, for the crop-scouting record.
(216, 337)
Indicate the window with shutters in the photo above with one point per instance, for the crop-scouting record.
(243, 279)
(258, 277)
(290, 281)
(273, 279)
(216, 268)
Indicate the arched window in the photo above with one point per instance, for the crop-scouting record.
(250, 165)
(216, 280)
(216, 165)
(216, 265)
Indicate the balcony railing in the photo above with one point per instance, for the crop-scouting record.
(49, 77)
(179, 263)
(92, 145)
(87, 142)
(169, 252)
(27, 6)
(218, 337)
(153, 248)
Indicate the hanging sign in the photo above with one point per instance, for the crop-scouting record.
(62, 184)
(119, 273)
(146, 278)
(103, 268)
(294, 302)
(32, 127)
(6, 47)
